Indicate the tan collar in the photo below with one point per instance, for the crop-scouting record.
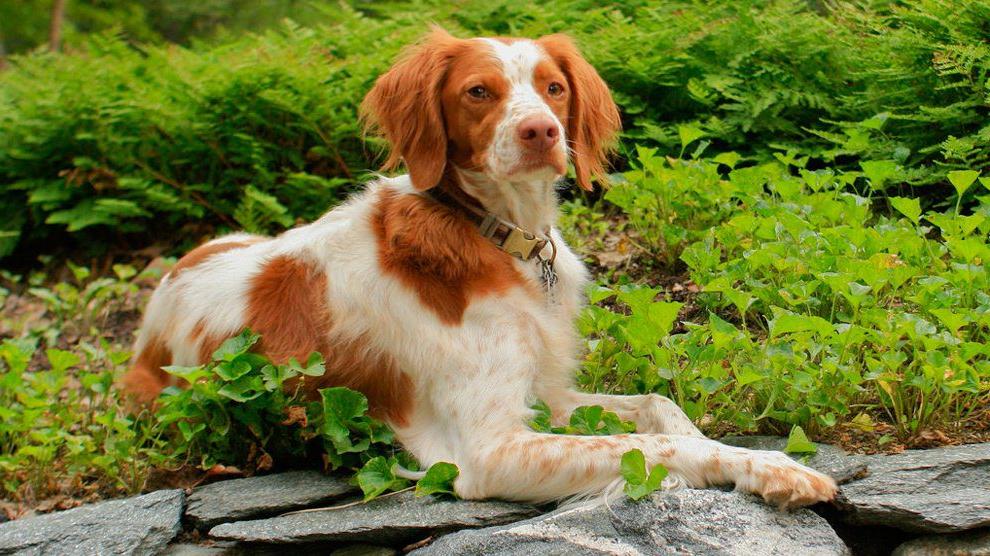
(508, 237)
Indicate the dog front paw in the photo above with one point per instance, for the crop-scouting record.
(784, 482)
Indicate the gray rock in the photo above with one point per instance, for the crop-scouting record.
(973, 543)
(939, 490)
(364, 550)
(139, 525)
(190, 549)
(396, 519)
(263, 496)
(830, 460)
(675, 522)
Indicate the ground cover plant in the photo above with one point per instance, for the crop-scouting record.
(795, 240)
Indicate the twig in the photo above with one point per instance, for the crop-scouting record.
(348, 505)
(199, 199)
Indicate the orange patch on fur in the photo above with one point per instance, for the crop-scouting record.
(287, 305)
(146, 379)
(204, 252)
(439, 254)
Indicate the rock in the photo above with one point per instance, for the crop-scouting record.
(364, 550)
(393, 520)
(190, 549)
(262, 496)
(139, 525)
(832, 461)
(939, 490)
(973, 543)
(674, 522)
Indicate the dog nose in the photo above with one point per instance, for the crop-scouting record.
(538, 133)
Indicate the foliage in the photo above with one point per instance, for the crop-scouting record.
(257, 131)
(639, 483)
(61, 422)
(840, 312)
(587, 420)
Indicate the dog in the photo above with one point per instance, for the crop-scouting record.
(446, 295)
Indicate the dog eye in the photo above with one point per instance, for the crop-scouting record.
(478, 92)
(555, 89)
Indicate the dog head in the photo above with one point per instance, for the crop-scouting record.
(510, 109)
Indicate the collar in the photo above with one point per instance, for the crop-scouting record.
(508, 237)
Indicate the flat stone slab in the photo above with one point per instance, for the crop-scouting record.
(938, 490)
(263, 496)
(973, 543)
(401, 518)
(133, 526)
(675, 522)
(830, 460)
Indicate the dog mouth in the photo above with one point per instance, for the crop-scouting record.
(554, 159)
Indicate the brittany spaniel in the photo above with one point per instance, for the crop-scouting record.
(447, 296)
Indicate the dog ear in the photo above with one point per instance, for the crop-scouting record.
(593, 119)
(405, 107)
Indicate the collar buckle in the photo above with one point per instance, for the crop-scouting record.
(522, 244)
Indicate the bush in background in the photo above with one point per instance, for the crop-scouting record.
(121, 142)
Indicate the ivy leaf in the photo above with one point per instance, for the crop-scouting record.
(235, 346)
(314, 365)
(729, 158)
(585, 419)
(439, 479)
(962, 180)
(785, 322)
(243, 389)
(909, 207)
(232, 370)
(614, 425)
(879, 172)
(62, 360)
(798, 443)
(541, 422)
(378, 476)
(343, 411)
(638, 483)
(689, 134)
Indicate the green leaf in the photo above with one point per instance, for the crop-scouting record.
(633, 466)
(62, 360)
(879, 172)
(908, 206)
(314, 365)
(232, 370)
(243, 389)
(376, 477)
(541, 421)
(439, 479)
(785, 322)
(235, 346)
(962, 180)
(638, 483)
(689, 134)
(798, 443)
(585, 419)
(730, 159)
(343, 412)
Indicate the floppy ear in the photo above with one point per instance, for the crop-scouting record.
(593, 119)
(404, 106)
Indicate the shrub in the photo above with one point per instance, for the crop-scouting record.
(121, 143)
(821, 311)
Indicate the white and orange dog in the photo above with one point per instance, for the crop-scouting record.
(446, 295)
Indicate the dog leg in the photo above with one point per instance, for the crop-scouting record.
(524, 465)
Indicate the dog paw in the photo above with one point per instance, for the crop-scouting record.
(786, 483)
